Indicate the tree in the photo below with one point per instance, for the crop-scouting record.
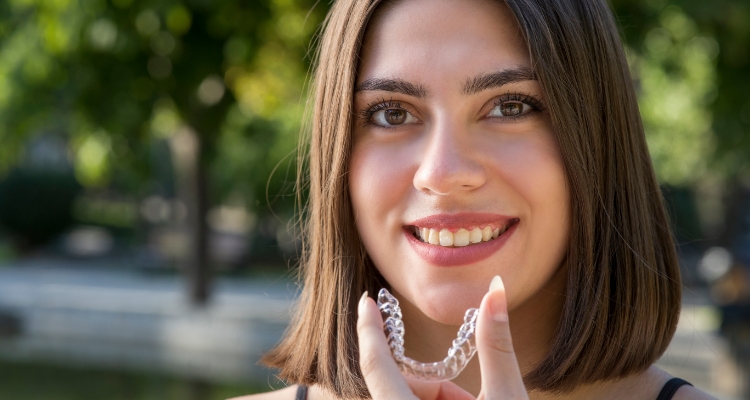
(221, 80)
(691, 60)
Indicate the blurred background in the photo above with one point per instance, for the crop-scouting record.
(147, 166)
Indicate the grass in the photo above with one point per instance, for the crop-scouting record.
(6, 251)
(22, 381)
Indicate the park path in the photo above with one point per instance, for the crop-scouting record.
(119, 318)
(698, 353)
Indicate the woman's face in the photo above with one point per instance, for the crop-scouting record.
(455, 173)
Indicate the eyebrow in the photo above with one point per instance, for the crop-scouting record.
(392, 85)
(472, 86)
(498, 79)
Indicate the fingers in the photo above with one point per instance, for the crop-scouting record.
(501, 376)
(445, 390)
(383, 378)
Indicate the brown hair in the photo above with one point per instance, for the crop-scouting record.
(623, 286)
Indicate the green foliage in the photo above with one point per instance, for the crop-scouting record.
(118, 76)
(692, 60)
(677, 81)
(21, 381)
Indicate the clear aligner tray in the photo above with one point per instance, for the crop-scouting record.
(459, 354)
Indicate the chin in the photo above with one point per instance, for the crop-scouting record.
(448, 304)
(450, 315)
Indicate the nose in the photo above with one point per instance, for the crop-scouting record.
(450, 163)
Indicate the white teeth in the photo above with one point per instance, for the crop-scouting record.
(461, 238)
(475, 236)
(486, 233)
(433, 238)
(446, 238)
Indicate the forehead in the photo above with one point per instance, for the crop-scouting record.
(434, 40)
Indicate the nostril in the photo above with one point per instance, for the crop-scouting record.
(445, 176)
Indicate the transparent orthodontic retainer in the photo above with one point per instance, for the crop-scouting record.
(459, 354)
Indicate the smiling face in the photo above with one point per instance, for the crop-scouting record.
(455, 174)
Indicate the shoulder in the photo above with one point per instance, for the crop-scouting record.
(648, 385)
(287, 393)
(687, 392)
(684, 392)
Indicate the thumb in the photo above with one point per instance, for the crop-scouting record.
(501, 376)
(382, 376)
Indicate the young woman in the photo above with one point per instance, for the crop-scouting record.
(453, 141)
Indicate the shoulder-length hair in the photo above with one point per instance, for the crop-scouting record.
(623, 286)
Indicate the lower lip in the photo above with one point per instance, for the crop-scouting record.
(457, 256)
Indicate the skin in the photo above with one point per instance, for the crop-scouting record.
(457, 152)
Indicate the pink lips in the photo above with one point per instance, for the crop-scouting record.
(456, 256)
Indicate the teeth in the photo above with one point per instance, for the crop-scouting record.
(486, 233)
(433, 238)
(446, 238)
(460, 238)
(475, 236)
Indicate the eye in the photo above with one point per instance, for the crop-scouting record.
(392, 117)
(510, 108)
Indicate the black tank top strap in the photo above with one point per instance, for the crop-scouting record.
(301, 393)
(670, 388)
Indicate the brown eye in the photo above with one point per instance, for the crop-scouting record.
(393, 117)
(511, 108)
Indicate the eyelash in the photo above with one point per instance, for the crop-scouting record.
(376, 106)
(531, 100)
(367, 113)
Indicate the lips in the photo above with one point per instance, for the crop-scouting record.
(459, 239)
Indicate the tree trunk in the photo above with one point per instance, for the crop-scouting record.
(193, 192)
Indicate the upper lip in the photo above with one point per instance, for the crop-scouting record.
(463, 220)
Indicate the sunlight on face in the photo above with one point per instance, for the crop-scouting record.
(455, 173)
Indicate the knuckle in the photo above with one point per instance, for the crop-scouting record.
(368, 363)
(364, 327)
(502, 343)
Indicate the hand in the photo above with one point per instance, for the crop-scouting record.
(501, 377)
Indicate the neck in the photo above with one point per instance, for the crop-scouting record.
(533, 324)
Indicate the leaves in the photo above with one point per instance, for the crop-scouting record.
(115, 77)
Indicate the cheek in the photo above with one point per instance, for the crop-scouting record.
(534, 168)
(378, 181)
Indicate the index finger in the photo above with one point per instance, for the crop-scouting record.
(383, 378)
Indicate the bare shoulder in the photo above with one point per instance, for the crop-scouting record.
(647, 385)
(287, 393)
(687, 392)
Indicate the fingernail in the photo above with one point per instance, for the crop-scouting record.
(498, 304)
(497, 284)
(362, 300)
